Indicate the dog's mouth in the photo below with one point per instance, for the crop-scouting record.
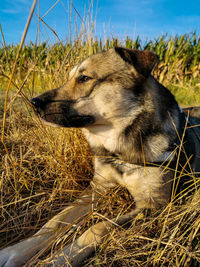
(80, 121)
(75, 121)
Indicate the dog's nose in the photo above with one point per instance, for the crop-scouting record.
(36, 102)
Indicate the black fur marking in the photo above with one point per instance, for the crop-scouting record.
(109, 158)
(163, 100)
(143, 61)
(142, 128)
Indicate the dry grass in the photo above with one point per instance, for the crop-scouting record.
(50, 167)
(45, 168)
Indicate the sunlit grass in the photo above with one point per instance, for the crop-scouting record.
(48, 66)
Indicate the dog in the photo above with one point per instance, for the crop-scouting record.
(137, 133)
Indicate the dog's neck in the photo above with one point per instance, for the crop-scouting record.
(147, 136)
(128, 146)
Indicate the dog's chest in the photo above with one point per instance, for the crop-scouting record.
(103, 136)
(143, 183)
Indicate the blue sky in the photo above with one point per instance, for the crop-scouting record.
(118, 18)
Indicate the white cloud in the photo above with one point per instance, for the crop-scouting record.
(10, 11)
(189, 19)
(16, 7)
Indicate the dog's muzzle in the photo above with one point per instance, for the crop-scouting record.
(66, 117)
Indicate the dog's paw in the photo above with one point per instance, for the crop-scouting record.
(9, 258)
(14, 256)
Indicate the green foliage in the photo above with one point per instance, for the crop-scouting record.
(49, 65)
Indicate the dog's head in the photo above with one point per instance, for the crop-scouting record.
(95, 91)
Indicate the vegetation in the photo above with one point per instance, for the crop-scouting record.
(43, 168)
(48, 66)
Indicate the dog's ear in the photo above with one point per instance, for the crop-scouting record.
(143, 61)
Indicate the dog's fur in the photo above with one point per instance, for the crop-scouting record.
(136, 131)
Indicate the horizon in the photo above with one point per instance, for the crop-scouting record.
(148, 19)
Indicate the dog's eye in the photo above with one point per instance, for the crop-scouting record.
(83, 78)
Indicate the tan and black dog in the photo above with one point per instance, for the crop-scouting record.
(136, 131)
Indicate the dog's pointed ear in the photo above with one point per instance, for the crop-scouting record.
(143, 61)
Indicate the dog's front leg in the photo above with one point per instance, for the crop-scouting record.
(75, 253)
(20, 253)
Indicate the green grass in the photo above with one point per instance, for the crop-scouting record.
(46, 67)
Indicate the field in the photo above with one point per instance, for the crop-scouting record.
(42, 168)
